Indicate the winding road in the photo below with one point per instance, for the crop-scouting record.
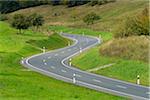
(57, 64)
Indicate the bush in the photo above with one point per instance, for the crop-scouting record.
(20, 22)
(35, 20)
(90, 18)
(137, 25)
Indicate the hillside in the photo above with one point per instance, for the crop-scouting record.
(110, 13)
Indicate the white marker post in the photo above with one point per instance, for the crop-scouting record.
(80, 50)
(138, 79)
(44, 50)
(45, 63)
(70, 62)
(22, 60)
(61, 32)
(100, 38)
(74, 79)
(68, 43)
(83, 33)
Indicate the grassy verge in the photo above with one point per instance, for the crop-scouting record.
(123, 69)
(18, 83)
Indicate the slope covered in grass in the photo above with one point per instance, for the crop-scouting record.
(122, 69)
(16, 82)
(111, 14)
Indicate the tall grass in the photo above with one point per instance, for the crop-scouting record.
(136, 48)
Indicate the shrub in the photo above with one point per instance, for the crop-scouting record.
(90, 18)
(20, 22)
(35, 20)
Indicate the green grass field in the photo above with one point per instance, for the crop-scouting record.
(16, 82)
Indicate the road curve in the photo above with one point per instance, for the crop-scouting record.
(56, 64)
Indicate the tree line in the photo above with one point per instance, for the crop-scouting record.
(7, 6)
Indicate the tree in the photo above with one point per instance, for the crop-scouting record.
(90, 18)
(20, 22)
(36, 20)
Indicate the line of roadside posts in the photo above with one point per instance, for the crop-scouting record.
(68, 43)
(44, 50)
(100, 38)
(74, 78)
(22, 61)
(70, 62)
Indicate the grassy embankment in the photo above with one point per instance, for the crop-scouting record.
(16, 82)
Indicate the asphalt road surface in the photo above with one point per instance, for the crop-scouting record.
(57, 64)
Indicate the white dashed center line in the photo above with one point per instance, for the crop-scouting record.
(52, 67)
(63, 71)
(49, 57)
(148, 93)
(45, 63)
(97, 81)
(56, 54)
(123, 87)
(78, 75)
(69, 49)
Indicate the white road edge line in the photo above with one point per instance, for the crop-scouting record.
(52, 67)
(56, 54)
(63, 71)
(44, 60)
(148, 93)
(120, 86)
(78, 75)
(97, 80)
